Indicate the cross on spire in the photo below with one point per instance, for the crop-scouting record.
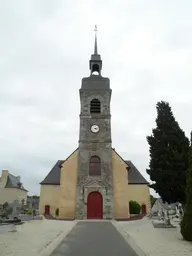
(95, 48)
(95, 29)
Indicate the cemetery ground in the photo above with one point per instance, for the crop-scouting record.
(41, 237)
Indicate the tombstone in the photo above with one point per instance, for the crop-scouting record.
(16, 208)
(161, 214)
(7, 210)
(30, 203)
(180, 210)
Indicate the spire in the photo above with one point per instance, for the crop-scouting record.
(95, 62)
(95, 48)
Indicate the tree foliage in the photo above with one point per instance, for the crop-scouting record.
(153, 200)
(186, 223)
(168, 148)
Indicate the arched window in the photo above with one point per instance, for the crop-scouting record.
(95, 166)
(95, 106)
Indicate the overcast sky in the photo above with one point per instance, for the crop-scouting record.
(45, 46)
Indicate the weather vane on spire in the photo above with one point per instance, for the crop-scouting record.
(95, 48)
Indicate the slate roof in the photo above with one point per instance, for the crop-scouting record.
(53, 177)
(13, 182)
(134, 176)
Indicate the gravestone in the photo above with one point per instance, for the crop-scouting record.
(30, 203)
(164, 222)
(7, 210)
(180, 210)
(16, 208)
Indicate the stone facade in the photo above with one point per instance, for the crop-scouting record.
(98, 144)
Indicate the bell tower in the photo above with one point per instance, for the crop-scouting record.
(95, 151)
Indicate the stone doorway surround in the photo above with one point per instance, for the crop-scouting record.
(96, 186)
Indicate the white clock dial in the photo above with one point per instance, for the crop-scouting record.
(95, 128)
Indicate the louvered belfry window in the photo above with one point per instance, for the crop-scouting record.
(95, 106)
(95, 166)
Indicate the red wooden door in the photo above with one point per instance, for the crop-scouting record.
(94, 206)
(143, 209)
(47, 209)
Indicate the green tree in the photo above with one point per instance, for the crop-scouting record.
(152, 199)
(168, 148)
(35, 197)
(186, 223)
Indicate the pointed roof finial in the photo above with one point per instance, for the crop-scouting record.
(95, 48)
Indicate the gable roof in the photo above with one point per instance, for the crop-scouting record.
(134, 176)
(53, 177)
(14, 182)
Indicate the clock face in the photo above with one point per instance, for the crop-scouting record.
(95, 128)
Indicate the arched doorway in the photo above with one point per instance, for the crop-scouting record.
(143, 209)
(94, 206)
(47, 209)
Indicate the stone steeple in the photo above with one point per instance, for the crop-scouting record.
(95, 63)
(95, 152)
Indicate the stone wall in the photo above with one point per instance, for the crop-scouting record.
(98, 144)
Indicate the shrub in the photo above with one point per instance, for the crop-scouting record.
(30, 212)
(57, 212)
(134, 207)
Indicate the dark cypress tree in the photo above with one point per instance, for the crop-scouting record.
(168, 147)
(186, 223)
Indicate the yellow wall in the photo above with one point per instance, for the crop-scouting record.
(120, 186)
(64, 196)
(11, 194)
(68, 180)
(141, 194)
(49, 195)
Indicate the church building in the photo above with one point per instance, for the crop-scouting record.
(94, 182)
